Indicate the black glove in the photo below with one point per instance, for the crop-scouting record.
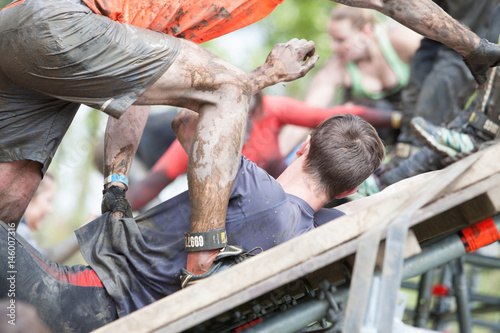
(114, 200)
(479, 61)
(227, 257)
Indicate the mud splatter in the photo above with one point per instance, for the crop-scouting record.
(120, 162)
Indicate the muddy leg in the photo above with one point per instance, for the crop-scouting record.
(220, 94)
(19, 181)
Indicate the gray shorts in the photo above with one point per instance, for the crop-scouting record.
(58, 54)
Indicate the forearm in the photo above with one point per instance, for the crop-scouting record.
(426, 18)
(184, 126)
(260, 80)
(122, 139)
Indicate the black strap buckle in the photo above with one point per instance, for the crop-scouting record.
(481, 122)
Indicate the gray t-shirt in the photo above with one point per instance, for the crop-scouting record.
(139, 260)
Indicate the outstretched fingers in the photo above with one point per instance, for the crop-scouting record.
(286, 62)
(309, 64)
(292, 60)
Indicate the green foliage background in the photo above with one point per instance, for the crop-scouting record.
(302, 19)
(299, 19)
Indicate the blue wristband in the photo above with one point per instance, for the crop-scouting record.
(116, 178)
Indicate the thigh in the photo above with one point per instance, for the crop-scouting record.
(64, 301)
(19, 181)
(196, 77)
(62, 49)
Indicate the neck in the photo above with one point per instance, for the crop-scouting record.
(296, 182)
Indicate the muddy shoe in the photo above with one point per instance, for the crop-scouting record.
(441, 139)
(479, 61)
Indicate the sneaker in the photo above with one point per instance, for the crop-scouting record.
(369, 187)
(441, 139)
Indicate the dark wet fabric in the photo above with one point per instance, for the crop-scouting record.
(422, 161)
(439, 87)
(64, 300)
(139, 260)
(58, 54)
(440, 82)
(472, 13)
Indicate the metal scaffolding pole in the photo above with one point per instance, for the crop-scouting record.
(453, 247)
(450, 248)
(421, 316)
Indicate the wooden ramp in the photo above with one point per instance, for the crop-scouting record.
(474, 195)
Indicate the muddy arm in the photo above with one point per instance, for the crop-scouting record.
(286, 62)
(121, 141)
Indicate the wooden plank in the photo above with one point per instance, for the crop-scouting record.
(487, 165)
(281, 264)
(459, 209)
(397, 225)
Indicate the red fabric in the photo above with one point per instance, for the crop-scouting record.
(84, 278)
(173, 162)
(262, 146)
(480, 234)
(195, 20)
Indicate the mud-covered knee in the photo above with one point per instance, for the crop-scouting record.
(239, 86)
(185, 119)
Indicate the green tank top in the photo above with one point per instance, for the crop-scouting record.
(400, 68)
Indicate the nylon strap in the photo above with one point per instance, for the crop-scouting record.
(204, 241)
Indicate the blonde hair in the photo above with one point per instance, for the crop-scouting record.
(358, 16)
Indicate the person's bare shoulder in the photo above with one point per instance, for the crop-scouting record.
(332, 73)
(404, 41)
(325, 82)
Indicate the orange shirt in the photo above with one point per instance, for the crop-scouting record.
(195, 20)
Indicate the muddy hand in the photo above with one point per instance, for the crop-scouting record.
(114, 200)
(292, 60)
(199, 262)
(286, 62)
(479, 61)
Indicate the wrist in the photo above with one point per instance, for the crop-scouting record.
(116, 180)
(203, 241)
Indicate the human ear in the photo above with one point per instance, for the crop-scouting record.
(346, 193)
(304, 147)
